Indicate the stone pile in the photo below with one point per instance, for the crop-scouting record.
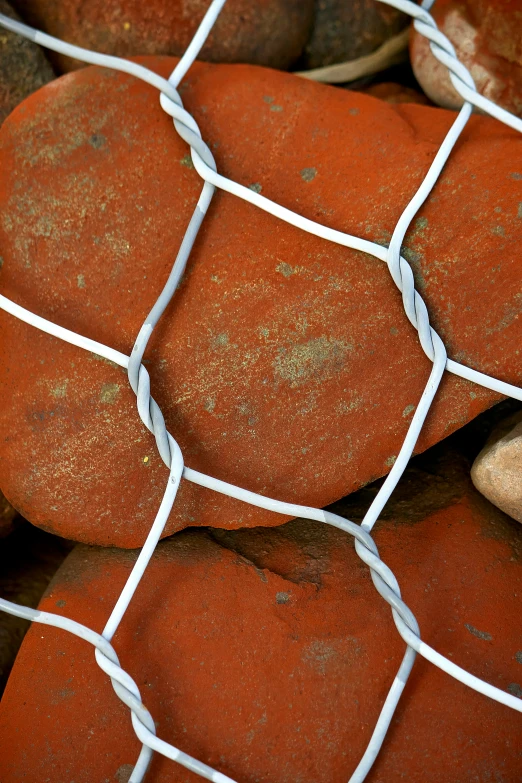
(285, 365)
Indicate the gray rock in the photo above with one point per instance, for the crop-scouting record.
(497, 471)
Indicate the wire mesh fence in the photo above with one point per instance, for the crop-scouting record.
(150, 414)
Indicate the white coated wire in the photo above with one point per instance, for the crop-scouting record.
(384, 580)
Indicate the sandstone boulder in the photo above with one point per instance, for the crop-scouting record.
(265, 32)
(285, 364)
(487, 36)
(497, 471)
(267, 654)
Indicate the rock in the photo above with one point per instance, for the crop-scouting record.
(347, 30)
(487, 36)
(286, 364)
(29, 558)
(391, 92)
(497, 470)
(7, 516)
(267, 32)
(23, 67)
(268, 654)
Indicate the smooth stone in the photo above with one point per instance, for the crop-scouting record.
(285, 363)
(268, 32)
(497, 471)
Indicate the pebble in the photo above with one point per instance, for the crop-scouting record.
(497, 471)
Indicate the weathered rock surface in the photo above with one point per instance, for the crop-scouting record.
(29, 559)
(285, 364)
(497, 471)
(346, 30)
(23, 67)
(7, 516)
(268, 654)
(265, 32)
(487, 36)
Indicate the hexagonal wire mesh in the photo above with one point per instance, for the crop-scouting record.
(149, 412)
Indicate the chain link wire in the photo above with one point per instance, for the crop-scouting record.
(150, 414)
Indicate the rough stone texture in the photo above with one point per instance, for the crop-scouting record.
(7, 516)
(346, 30)
(487, 36)
(497, 471)
(267, 653)
(391, 92)
(23, 67)
(265, 32)
(285, 364)
(29, 558)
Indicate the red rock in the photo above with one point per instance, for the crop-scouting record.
(286, 364)
(487, 36)
(23, 67)
(347, 30)
(391, 92)
(265, 32)
(268, 654)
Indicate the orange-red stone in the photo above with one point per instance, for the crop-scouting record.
(286, 363)
(487, 36)
(268, 654)
(264, 32)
